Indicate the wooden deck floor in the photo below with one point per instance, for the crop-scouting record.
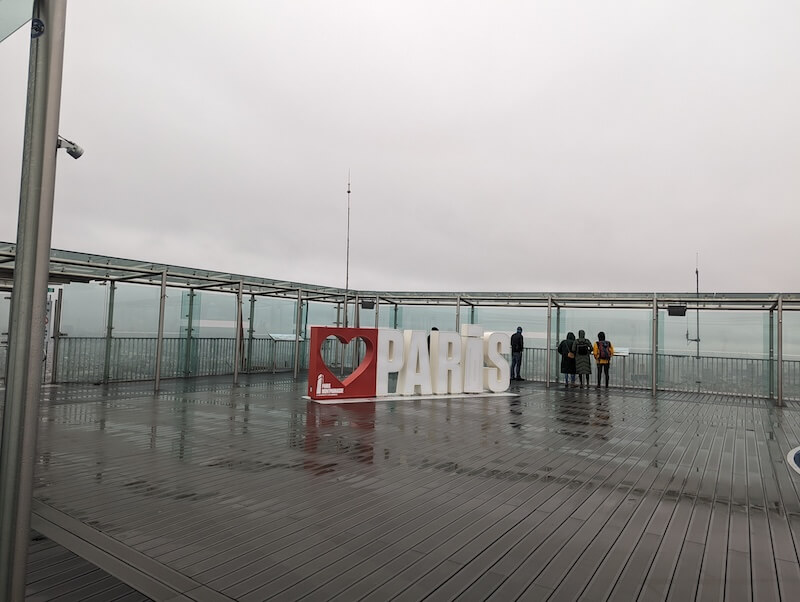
(210, 492)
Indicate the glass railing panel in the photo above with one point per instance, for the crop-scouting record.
(214, 315)
(272, 316)
(136, 310)
(84, 309)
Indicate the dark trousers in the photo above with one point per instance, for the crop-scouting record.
(601, 368)
(516, 364)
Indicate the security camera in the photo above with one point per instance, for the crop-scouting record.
(73, 150)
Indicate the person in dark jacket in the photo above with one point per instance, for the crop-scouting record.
(582, 348)
(517, 345)
(567, 359)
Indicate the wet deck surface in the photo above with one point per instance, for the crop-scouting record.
(210, 492)
(56, 574)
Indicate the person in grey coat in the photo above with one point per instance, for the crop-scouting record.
(582, 348)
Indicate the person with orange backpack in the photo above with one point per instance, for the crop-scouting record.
(603, 352)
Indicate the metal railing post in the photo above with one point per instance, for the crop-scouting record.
(297, 332)
(549, 342)
(237, 353)
(160, 338)
(780, 350)
(771, 354)
(187, 359)
(56, 336)
(109, 332)
(654, 347)
(377, 310)
(458, 313)
(250, 334)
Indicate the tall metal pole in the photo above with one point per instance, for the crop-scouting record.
(697, 331)
(347, 261)
(458, 313)
(160, 338)
(29, 297)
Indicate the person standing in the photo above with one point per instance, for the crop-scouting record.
(567, 359)
(603, 351)
(429, 338)
(517, 345)
(582, 348)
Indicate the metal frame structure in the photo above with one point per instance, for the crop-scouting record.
(70, 266)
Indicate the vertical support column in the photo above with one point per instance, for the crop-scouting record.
(549, 341)
(780, 350)
(394, 321)
(109, 332)
(377, 310)
(771, 354)
(250, 333)
(654, 346)
(160, 339)
(29, 297)
(56, 336)
(458, 313)
(356, 324)
(237, 351)
(472, 314)
(187, 360)
(298, 321)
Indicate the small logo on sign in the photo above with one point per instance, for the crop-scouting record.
(37, 28)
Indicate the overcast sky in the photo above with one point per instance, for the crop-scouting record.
(494, 145)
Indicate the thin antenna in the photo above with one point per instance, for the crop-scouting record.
(697, 281)
(347, 261)
(696, 338)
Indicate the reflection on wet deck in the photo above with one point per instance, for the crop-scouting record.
(252, 493)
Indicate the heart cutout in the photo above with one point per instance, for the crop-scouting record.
(322, 383)
(344, 358)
